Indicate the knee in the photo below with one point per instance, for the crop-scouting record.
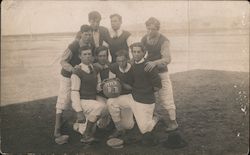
(143, 130)
(110, 101)
(129, 125)
(111, 105)
(100, 107)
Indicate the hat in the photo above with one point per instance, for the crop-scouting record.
(115, 143)
(175, 141)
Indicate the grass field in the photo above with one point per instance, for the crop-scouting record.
(212, 111)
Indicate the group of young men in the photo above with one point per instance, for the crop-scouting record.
(98, 54)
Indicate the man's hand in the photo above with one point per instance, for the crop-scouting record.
(131, 61)
(102, 84)
(150, 66)
(97, 65)
(126, 86)
(80, 117)
(75, 68)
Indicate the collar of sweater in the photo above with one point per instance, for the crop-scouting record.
(154, 40)
(141, 61)
(113, 33)
(104, 66)
(85, 67)
(126, 69)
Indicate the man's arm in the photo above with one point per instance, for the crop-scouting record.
(99, 83)
(75, 95)
(164, 61)
(129, 43)
(78, 35)
(155, 79)
(166, 56)
(66, 56)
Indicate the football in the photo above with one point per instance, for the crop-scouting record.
(112, 88)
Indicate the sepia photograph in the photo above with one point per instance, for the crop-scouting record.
(124, 77)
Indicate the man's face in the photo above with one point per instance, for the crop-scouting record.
(94, 23)
(137, 53)
(121, 61)
(102, 57)
(86, 36)
(86, 56)
(152, 30)
(115, 23)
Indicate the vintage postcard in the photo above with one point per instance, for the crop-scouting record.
(124, 77)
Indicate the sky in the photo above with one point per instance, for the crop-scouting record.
(30, 17)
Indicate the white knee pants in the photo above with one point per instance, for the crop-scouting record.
(164, 98)
(124, 107)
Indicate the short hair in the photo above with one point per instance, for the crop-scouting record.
(138, 44)
(85, 28)
(94, 15)
(101, 48)
(122, 52)
(153, 21)
(116, 15)
(84, 48)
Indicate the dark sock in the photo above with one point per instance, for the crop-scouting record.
(89, 127)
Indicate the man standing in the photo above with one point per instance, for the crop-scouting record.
(68, 61)
(119, 39)
(157, 46)
(100, 34)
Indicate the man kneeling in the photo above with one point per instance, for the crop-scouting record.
(83, 94)
(141, 101)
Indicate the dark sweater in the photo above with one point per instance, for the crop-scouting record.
(88, 84)
(126, 77)
(116, 44)
(144, 83)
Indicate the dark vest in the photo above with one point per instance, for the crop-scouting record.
(154, 51)
(116, 44)
(75, 60)
(88, 84)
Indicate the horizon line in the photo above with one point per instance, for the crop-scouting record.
(72, 32)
